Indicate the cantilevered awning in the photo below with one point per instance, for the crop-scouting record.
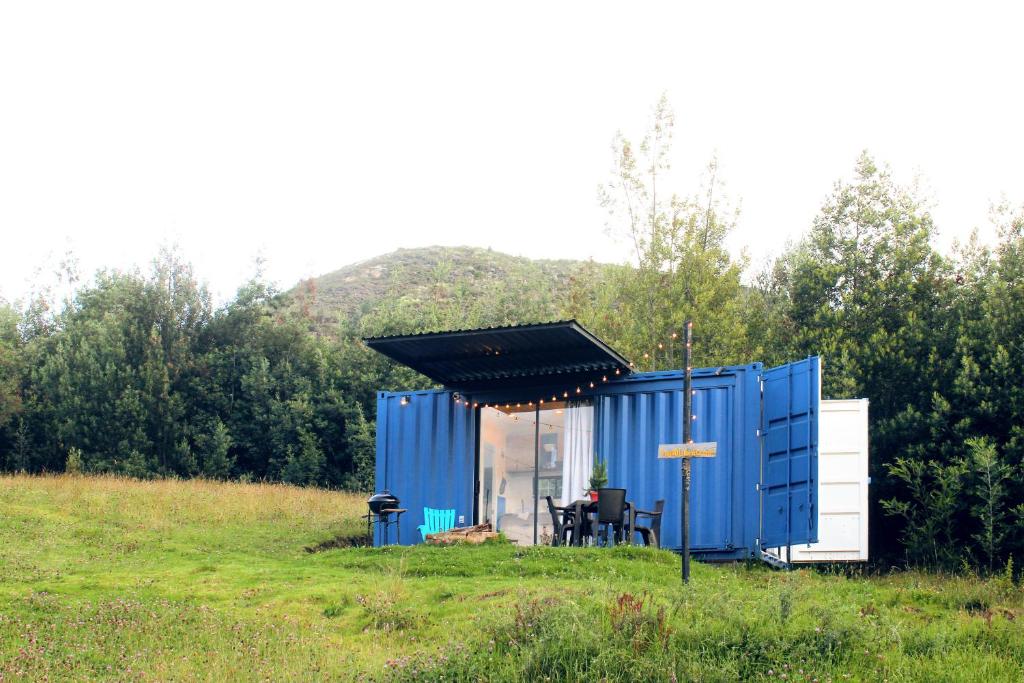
(500, 356)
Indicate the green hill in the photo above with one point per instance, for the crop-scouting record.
(104, 578)
(425, 275)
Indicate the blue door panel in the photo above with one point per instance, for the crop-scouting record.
(789, 487)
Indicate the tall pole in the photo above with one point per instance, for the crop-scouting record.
(687, 438)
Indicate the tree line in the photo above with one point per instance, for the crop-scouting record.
(140, 374)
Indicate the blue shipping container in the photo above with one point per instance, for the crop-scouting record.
(759, 491)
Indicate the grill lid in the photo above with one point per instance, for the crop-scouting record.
(382, 500)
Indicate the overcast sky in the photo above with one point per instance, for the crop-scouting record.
(322, 134)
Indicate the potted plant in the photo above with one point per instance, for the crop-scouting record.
(598, 478)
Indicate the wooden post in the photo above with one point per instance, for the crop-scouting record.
(687, 438)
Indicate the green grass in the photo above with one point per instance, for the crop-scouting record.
(105, 578)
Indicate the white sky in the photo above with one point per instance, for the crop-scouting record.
(319, 134)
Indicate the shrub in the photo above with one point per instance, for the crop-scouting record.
(74, 461)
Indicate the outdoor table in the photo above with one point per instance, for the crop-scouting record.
(581, 507)
(585, 507)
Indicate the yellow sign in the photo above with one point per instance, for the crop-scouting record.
(706, 449)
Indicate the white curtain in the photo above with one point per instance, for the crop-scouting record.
(578, 460)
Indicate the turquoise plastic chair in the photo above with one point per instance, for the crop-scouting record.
(436, 521)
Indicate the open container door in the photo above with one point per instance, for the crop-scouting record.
(789, 454)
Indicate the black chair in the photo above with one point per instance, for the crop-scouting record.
(652, 532)
(611, 510)
(563, 524)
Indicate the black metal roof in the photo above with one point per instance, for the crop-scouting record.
(520, 355)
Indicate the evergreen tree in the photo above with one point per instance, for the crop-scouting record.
(216, 458)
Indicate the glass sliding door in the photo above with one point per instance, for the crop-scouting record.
(508, 471)
(527, 454)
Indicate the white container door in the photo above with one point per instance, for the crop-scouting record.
(843, 486)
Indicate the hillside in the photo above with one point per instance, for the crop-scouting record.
(114, 579)
(422, 275)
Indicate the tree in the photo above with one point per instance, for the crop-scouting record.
(679, 268)
(10, 377)
(216, 458)
(109, 377)
(989, 490)
(866, 291)
(928, 510)
(303, 464)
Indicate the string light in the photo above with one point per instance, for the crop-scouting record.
(591, 384)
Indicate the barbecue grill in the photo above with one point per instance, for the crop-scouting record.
(384, 512)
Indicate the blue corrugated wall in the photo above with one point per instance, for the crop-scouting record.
(635, 416)
(429, 451)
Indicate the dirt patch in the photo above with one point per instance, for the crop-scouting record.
(340, 541)
(485, 596)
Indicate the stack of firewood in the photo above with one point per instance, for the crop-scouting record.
(478, 533)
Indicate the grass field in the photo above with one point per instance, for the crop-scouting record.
(106, 578)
